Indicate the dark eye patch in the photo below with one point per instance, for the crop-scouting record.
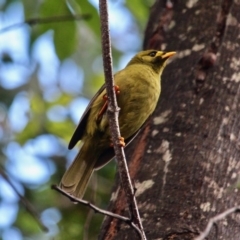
(153, 54)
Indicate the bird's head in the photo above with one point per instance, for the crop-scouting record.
(153, 58)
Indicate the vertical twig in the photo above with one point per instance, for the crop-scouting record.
(113, 112)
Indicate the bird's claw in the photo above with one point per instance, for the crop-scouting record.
(121, 142)
(116, 89)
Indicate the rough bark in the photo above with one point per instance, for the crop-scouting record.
(186, 162)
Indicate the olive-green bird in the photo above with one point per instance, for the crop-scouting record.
(138, 91)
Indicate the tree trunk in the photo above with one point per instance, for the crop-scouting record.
(186, 162)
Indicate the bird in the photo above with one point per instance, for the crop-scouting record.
(138, 88)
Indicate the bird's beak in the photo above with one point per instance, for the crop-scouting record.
(168, 55)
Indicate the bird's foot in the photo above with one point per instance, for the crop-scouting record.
(121, 142)
(116, 89)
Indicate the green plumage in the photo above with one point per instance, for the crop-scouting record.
(140, 88)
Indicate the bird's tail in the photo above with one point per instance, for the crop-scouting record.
(77, 176)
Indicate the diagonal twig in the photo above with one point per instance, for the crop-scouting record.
(25, 202)
(97, 209)
(55, 19)
(113, 112)
(213, 221)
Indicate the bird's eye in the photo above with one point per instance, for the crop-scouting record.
(153, 54)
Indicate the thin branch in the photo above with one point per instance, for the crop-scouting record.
(97, 209)
(213, 221)
(113, 112)
(25, 202)
(53, 19)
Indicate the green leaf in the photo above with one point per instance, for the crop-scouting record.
(30, 8)
(140, 10)
(26, 223)
(64, 31)
(65, 40)
(61, 129)
(35, 125)
(85, 7)
(30, 131)
(64, 99)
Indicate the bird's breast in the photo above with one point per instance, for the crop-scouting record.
(137, 100)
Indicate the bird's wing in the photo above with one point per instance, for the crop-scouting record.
(108, 154)
(77, 135)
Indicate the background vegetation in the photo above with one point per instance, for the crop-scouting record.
(48, 73)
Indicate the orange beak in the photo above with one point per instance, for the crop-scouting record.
(168, 54)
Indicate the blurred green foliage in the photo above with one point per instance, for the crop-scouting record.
(49, 109)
